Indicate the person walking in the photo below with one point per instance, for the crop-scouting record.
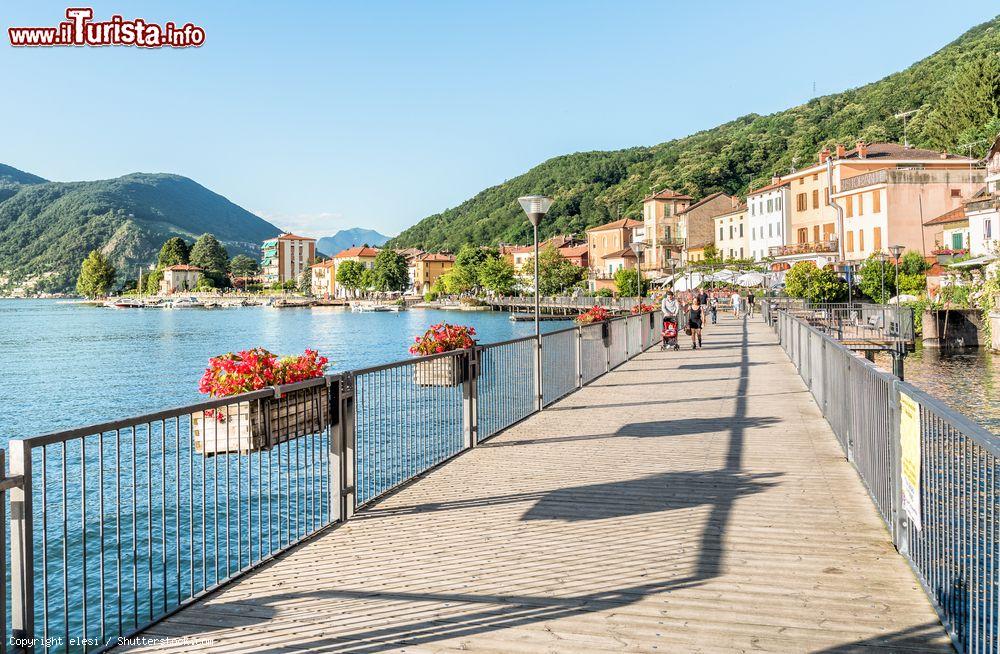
(713, 309)
(736, 301)
(695, 319)
(750, 299)
(671, 309)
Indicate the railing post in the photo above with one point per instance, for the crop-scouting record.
(335, 449)
(348, 446)
(22, 546)
(538, 373)
(470, 427)
(579, 357)
(899, 530)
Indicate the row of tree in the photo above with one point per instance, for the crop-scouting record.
(876, 279)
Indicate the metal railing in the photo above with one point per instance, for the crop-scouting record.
(860, 323)
(582, 302)
(954, 549)
(118, 525)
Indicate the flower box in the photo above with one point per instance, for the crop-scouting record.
(445, 371)
(260, 425)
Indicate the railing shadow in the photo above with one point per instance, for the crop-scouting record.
(479, 613)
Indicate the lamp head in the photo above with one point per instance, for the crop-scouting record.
(896, 250)
(535, 206)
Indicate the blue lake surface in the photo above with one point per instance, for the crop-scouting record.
(64, 365)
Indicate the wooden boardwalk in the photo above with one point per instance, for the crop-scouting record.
(685, 502)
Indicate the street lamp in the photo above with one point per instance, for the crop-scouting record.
(536, 206)
(881, 258)
(637, 248)
(896, 250)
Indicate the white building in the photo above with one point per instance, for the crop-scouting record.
(983, 209)
(768, 218)
(180, 277)
(731, 232)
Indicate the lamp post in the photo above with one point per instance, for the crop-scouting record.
(637, 248)
(896, 250)
(536, 206)
(881, 258)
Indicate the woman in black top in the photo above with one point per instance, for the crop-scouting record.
(695, 316)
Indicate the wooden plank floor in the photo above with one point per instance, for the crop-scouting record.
(688, 501)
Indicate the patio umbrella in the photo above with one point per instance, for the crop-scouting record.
(683, 283)
(750, 279)
(903, 298)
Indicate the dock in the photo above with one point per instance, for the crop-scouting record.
(690, 501)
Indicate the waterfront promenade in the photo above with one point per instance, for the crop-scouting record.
(686, 501)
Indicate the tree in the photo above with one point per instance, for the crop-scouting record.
(626, 282)
(305, 281)
(367, 280)
(969, 108)
(805, 280)
(555, 272)
(173, 252)
(456, 281)
(497, 275)
(97, 276)
(211, 255)
(349, 275)
(389, 271)
(243, 266)
(874, 276)
(204, 284)
(152, 281)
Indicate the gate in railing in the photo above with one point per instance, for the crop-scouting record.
(118, 525)
(954, 551)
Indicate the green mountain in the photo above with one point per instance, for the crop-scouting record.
(957, 92)
(47, 228)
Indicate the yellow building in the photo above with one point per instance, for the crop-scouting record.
(363, 254)
(661, 230)
(858, 179)
(324, 278)
(428, 268)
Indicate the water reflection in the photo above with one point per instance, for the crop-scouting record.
(967, 380)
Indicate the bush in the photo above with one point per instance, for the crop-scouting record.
(604, 292)
(806, 281)
(430, 296)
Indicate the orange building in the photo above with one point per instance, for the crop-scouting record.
(605, 250)
(428, 268)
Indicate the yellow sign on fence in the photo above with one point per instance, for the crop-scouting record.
(909, 446)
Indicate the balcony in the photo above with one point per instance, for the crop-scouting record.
(813, 247)
(912, 176)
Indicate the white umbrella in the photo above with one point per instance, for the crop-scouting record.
(903, 298)
(688, 282)
(750, 279)
(724, 275)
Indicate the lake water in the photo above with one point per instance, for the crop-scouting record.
(64, 365)
(967, 380)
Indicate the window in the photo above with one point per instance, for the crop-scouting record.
(770, 206)
(752, 207)
(861, 240)
(770, 232)
(987, 229)
(815, 176)
(861, 203)
(826, 196)
(801, 202)
(849, 205)
(802, 235)
(850, 241)
(753, 233)
(741, 232)
(876, 201)
(956, 240)
(779, 203)
(730, 232)
(816, 233)
(956, 193)
(802, 180)
(815, 198)
(720, 233)
(741, 253)
(877, 238)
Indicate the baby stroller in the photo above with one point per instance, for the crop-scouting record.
(669, 336)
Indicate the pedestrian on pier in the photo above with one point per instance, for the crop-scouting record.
(737, 302)
(713, 309)
(695, 320)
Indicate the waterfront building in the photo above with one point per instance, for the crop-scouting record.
(180, 277)
(731, 236)
(610, 264)
(696, 224)
(608, 239)
(882, 189)
(983, 208)
(661, 233)
(363, 254)
(566, 244)
(767, 218)
(324, 279)
(285, 257)
(949, 233)
(428, 268)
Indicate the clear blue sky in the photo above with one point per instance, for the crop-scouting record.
(325, 115)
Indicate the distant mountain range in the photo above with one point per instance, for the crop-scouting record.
(345, 238)
(47, 228)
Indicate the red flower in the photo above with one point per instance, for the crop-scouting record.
(596, 313)
(443, 337)
(251, 370)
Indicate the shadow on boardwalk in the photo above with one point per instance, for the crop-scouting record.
(362, 615)
(655, 493)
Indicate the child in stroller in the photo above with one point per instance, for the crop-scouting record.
(669, 336)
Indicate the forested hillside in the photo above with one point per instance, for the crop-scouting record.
(957, 91)
(47, 228)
